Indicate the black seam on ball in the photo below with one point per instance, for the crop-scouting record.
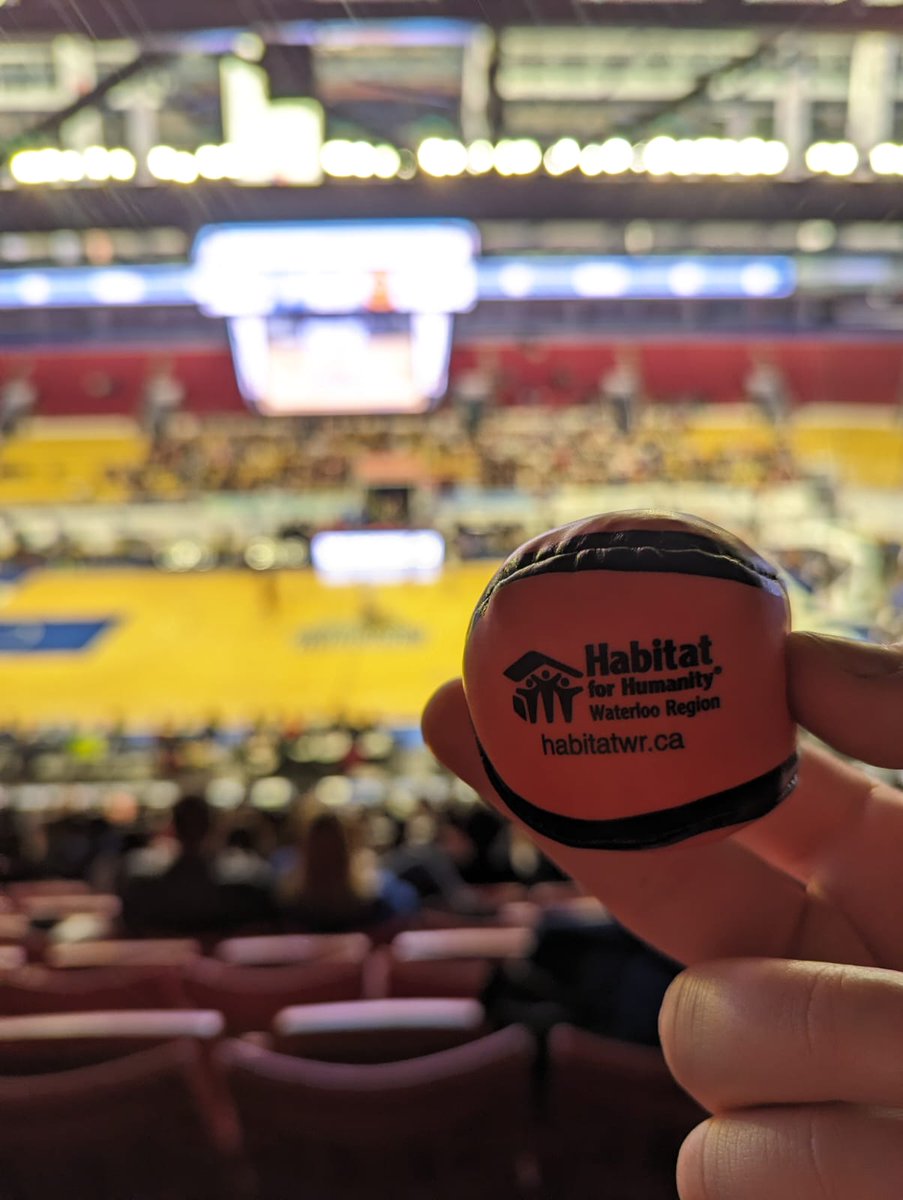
(647, 831)
(657, 551)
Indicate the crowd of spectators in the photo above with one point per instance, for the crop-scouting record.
(195, 869)
(526, 447)
(302, 754)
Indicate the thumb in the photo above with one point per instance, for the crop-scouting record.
(448, 732)
(849, 694)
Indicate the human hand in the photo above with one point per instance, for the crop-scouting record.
(816, 882)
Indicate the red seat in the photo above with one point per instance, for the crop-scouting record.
(145, 1128)
(250, 997)
(14, 927)
(520, 912)
(499, 893)
(58, 906)
(446, 1126)
(551, 894)
(615, 1120)
(368, 1031)
(41, 990)
(11, 958)
(26, 889)
(445, 962)
(37, 1045)
(150, 952)
(282, 949)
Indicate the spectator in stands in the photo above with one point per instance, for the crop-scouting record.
(12, 857)
(588, 972)
(424, 856)
(337, 885)
(246, 880)
(621, 389)
(766, 387)
(173, 889)
(499, 854)
(164, 395)
(18, 398)
(474, 390)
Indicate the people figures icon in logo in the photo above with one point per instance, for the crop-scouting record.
(534, 672)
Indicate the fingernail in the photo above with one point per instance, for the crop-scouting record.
(860, 658)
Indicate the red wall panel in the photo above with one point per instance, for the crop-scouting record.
(817, 370)
(98, 381)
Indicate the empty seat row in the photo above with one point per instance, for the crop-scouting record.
(187, 1119)
(350, 1031)
(128, 975)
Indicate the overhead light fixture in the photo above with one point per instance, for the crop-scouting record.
(832, 158)
(442, 157)
(562, 157)
(887, 159)
(518, 156)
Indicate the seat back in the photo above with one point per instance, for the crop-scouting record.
(446, 962)
(614, 1117)
(448, 1125)
(461, 978)
(490, 942)
(250, 997)
(283, 949)
(44, 990)
(149, 952)
(143, 1127)
(39, 1045)
(374, 1031)
(11, 958)
(47, 909)
(28, 888)
(14, 927)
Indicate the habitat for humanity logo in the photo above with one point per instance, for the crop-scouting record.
(544, 682)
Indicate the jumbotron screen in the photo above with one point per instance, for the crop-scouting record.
(339, 318)
(371, 362)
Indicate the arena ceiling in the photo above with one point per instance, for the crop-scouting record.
(479, 200)
(652, 67)
(140, 18)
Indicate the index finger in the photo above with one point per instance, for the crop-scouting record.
(692, 901)
(841, 832)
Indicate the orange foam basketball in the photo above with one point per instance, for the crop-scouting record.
(626, 680)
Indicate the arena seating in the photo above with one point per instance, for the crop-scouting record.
(68, 462)
(284, 949)
(445, 962)
(20, 892)
(377, 1030)
(615, 1120)
(370, 1098)
(38, 1045)
(250, 997)
(14, 927)
(37, 989)
(52, 907)
(146, 1127)
(151, 952)
(11, 958)
(452, 1124)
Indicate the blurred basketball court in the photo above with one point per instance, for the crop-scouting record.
(236, 644)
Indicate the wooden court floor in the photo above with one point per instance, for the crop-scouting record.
(235, 644)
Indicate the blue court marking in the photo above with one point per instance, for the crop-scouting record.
(51, 637)
(12, 574)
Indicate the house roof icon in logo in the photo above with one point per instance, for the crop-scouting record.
(534, 661)
(545, 683)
